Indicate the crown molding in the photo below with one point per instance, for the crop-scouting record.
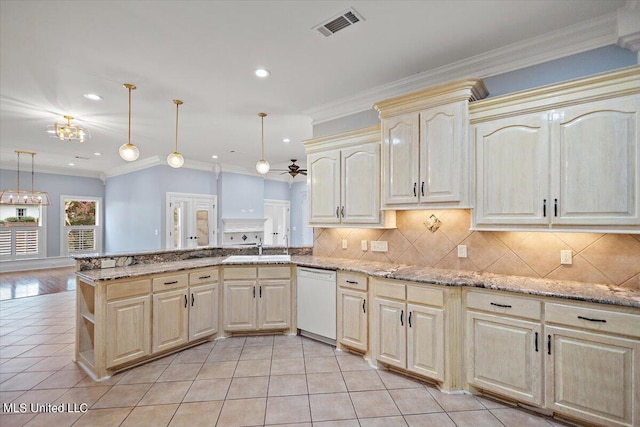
(86, 173)
(587, 35)
(243, 171)
(152, 161)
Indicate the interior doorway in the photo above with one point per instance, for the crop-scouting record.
(191, 220)
(276, 227)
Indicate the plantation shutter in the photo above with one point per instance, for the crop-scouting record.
(81, 239)
(26, 242)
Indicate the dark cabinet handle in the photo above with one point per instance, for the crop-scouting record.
(536, 342)
(338, 212)
(422, 188)
(409, 319)
(352, 282)
(186, 301)
(204, 277)
(193, 299)
(555, 207)
(544, 207)
(364, 306)
(592, 320)
(342, 211)
(548, 344)
(401, 317)
(500, 305)
(260, 291)
(171, 283)
(254, 291)
(415, 193)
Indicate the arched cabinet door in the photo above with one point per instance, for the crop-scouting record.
(401, 159)
(324, 187)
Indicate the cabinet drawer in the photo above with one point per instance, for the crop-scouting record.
(274, 272)
(128, 289)
(592, 318)
(240, 273)
(208, 275)
(390, 289)
(352, 280)
(504, 304)
(425, 295)
(172, 281)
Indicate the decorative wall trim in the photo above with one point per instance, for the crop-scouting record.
(587, 35)
(36, 264)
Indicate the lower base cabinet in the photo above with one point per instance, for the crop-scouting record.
(129, 332)
(170, 320)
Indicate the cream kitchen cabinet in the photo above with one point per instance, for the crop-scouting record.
(408, 330)
(425, 156)
(257, 298)
(504, 345)
(344, 180)
(565, 157)
(591, 366)
(204, 303)
(353, 324)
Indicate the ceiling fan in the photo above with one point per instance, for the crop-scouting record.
(293, 169)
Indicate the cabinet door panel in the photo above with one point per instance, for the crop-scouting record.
(170, 320)
(401, 159)
(361, 184)
(352, 321)
(391, 332)
(441, 156)
(502, 356)
(128, 330)
(512, 158)
(597, 165)
(274, 304)
(203, 311)
(324, 182)
(593, 377)
(425, 341)
(240, 305)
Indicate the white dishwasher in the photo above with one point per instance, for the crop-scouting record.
(316, 308)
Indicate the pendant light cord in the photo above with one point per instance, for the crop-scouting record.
(18, 195)
(262, 138)
(32, 176)
(177, 106)
(129, 116)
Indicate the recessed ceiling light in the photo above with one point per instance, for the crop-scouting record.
(261, 72)
(286, 140)
(97, 154)
(72, 164)
(93, 96)
(214, 157)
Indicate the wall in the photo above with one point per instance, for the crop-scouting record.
(301, 233)
(241, 196)
(598, 258)
(276, 190)
(56, 186)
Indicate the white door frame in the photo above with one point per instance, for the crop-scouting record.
(213, 220)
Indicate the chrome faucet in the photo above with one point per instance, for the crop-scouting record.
(286, 244)
(260, 246)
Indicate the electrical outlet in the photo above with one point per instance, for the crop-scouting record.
(363, 245)
(462, 251)
(379, 246)
(107, 263)
(565, 257)
(344, 243)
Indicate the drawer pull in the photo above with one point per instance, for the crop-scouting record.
(401, 316)
(352, 282)
(364, 309)
(501, 305)
(592, 320)
(536, 342)
(548, 344)
(171, 283)
(205, 277)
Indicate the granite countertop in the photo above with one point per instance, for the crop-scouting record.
(580, 291)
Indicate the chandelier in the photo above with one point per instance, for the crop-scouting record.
(68, 132)
(24, 197)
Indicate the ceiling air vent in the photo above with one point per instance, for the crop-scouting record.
(344, 20)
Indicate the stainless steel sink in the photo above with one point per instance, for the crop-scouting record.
(251, 259)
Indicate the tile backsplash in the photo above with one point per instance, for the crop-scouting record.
(597, 257)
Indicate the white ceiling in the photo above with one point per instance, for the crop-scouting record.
(205, 53)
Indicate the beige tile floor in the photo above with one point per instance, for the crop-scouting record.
(281, 380)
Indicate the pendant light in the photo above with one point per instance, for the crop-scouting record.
(262, 166)
(175, 159)
(24, 197)
(128, 151)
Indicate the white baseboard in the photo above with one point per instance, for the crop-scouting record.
(36, 264)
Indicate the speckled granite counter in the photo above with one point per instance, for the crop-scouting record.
(605, 294)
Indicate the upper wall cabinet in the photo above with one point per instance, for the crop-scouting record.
(564, 157)
(425, 156)
(343, 180)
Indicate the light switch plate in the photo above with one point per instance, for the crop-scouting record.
(344, 243)
(462, 251)
(107, 263)
(363, 245)
(565, 257)
(379, 246)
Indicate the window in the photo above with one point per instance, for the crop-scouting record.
(22, 232)
(82, 230)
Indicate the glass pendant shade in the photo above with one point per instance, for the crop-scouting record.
(129, 152)
(262, 166)
(175, 160)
